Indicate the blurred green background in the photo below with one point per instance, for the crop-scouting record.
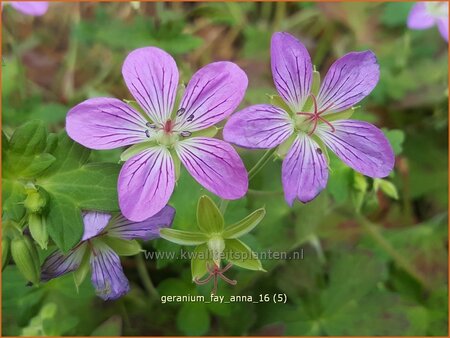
(375, 253)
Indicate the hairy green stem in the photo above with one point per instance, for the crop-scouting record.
(145, 277)
(261, 163)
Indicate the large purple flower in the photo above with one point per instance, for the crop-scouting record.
(102, 234)
(428, 14)
(163, 135)
(307, 122)
(32, 8)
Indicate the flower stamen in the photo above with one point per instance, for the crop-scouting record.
(315, 117)
(214, 272)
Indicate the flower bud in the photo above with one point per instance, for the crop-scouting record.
(6, 243)
(25, 255)
(38, 230)
(35, 201)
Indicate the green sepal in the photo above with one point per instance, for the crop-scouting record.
(209, 218)
(359, 190)
(138, 108)
(38, 229)
(123, 247)
(216, 246)
(183, 237)
(387, 187)
(136, 149)
(25, 255)
(80, 274)
(245, 225)
(208, 132)
(277, 101)
(308, 106)
(322, 146)
(343, 115)
(201, 257)
(284, 147)
(241, 255)
(176, 165)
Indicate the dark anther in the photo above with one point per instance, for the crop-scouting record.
(190, 118)
(185, 133)
(181, 111)
(147, 133)
(150, 125)
(319, 151)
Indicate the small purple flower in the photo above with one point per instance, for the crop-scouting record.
(162, 135)
(32, 8)
(99, 228)
(428, 14)
(308, 123)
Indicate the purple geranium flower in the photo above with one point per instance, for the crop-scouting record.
(162, 135)
(32, 8)
(307, 119)
(100, 230)
(428, 14)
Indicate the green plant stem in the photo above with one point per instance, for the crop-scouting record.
(374, 232)
(261, 163)
(145, 277)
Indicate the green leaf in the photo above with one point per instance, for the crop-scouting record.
(193, 319)
(110, 328)
(64, 221)
(200, 258)
(123, 247)
(37, 165)
(241, 255)
(68, 154)
(13, 197)
(245, 225)
(183, 237)
(209, 218)
(92, 186)
(29, 139)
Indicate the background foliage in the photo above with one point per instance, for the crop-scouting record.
(375, 252)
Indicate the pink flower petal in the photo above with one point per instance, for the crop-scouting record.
(151, 75)
(261, 126)
(213, 93)
(419, 18)
(31, 8)
(107, 274)
(350, 79)
(443, 27)
(94, 223)
(215, 165)
(146, 183)
(146, 230)
(291, 69)
(304, 171)
(105, 123)
(361, 145)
